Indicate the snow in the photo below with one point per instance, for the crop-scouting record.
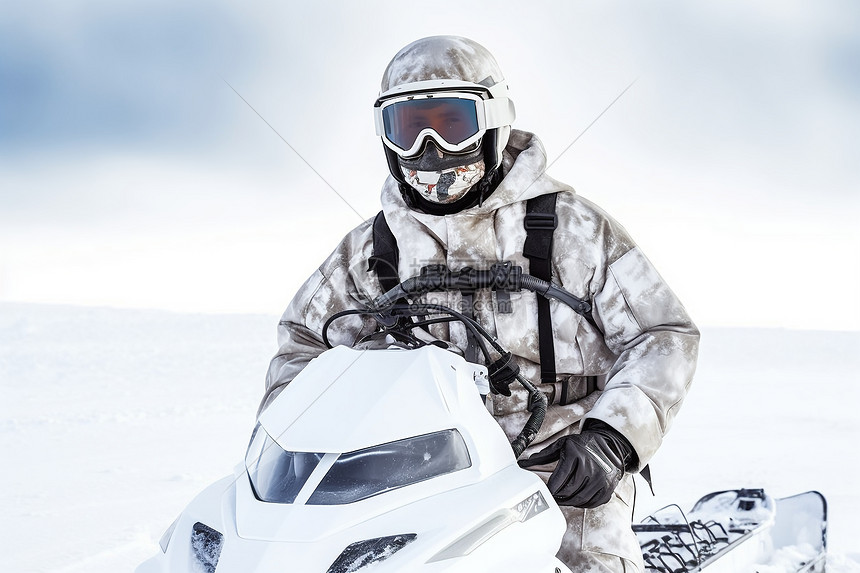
(785, 557)
(112, 420)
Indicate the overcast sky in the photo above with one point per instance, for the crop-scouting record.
(132, 174)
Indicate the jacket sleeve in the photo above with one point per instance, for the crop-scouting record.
(656, 343)
(341, 283)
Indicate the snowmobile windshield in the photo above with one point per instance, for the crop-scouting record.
(277, 475)
(364, 473)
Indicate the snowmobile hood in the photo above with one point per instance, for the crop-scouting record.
(350, 391)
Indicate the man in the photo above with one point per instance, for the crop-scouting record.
(459, 191)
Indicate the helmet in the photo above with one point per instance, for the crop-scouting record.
(444, 117)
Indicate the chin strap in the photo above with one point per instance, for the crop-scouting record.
(488, 184)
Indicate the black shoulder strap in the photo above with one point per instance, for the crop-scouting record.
(540, 223)
(386, 255)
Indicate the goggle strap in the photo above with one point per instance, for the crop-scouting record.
(498, 112)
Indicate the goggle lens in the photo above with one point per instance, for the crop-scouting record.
(454, 119)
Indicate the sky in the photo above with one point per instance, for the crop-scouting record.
(206, 157)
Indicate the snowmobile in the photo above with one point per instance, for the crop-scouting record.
(384, 456)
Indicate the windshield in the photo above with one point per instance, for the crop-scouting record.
(277, 475)
(364, 473)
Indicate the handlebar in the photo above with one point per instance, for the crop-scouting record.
(391, 310)
(500, 276)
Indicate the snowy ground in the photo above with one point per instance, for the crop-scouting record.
(111, 420)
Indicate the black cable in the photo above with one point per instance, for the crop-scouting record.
(538, 404)
(500, 277)
(474, 323)
(479, 332)
(431, 321)
(337, 315)
(398, 335)
(412, 310)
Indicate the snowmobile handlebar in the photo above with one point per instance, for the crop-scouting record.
(393, 312)
(500, 276)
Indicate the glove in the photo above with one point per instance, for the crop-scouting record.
(590, 465)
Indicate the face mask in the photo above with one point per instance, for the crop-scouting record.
(446, 185)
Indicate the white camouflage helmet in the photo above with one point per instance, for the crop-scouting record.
(447, 68)
(440, 58)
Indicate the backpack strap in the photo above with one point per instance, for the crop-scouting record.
(540, 222)
(386, 255)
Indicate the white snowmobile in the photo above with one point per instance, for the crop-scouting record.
(385, 457)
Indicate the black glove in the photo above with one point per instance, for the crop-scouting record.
(590, 465)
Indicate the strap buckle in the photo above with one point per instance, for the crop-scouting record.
(540, 221)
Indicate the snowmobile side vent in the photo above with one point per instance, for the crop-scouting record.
(206, 543)
(478, 535)
(363, 553)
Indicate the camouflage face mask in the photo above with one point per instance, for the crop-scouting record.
(447, 185)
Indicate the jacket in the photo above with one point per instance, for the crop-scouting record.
(642, 346)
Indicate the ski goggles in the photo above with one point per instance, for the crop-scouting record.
(456, 121)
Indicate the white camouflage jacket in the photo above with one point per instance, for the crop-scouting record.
(644, 347)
